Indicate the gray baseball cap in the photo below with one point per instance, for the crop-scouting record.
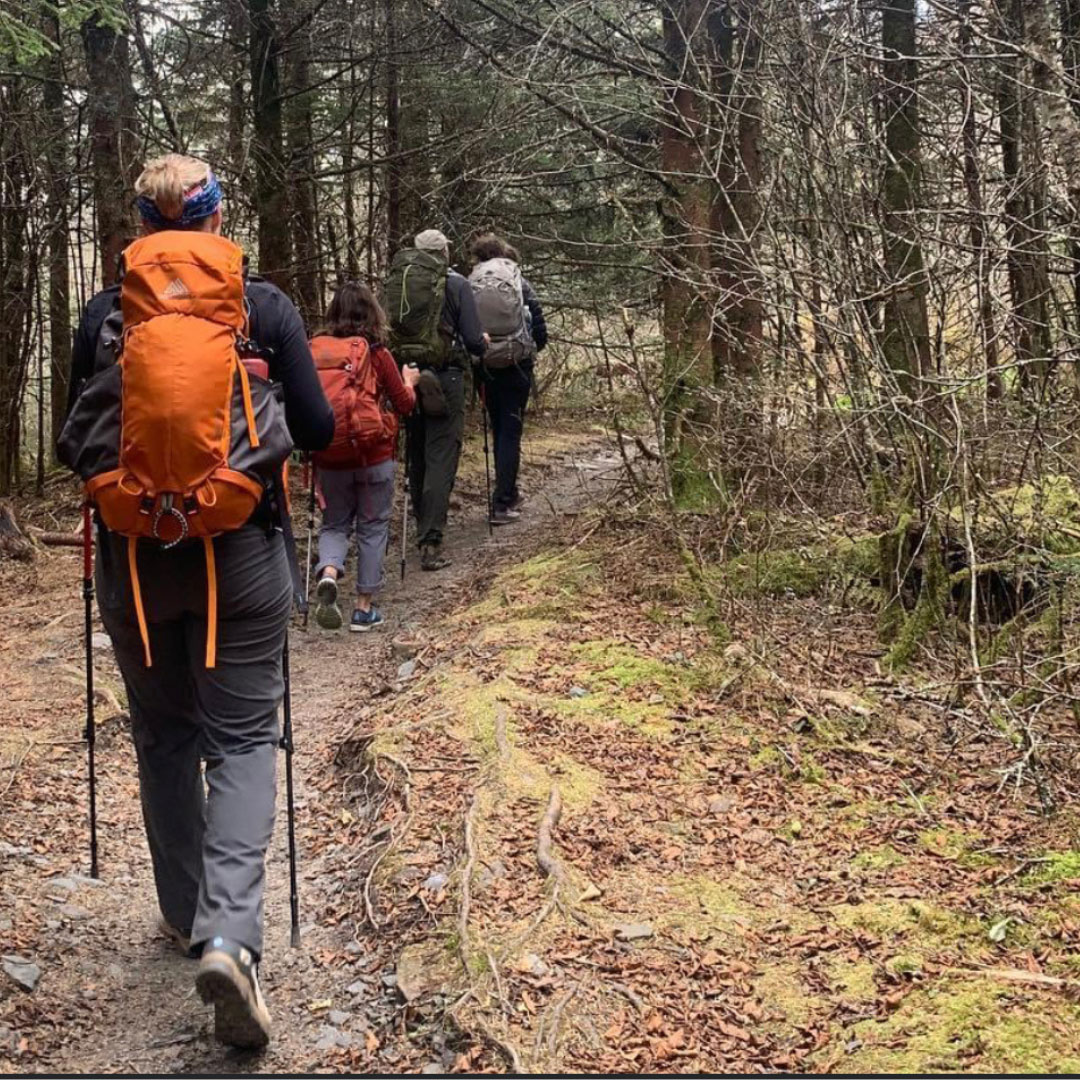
(431, 240)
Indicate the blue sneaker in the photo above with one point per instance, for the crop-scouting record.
(363, 621)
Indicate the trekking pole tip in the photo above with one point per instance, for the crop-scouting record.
(294, 939)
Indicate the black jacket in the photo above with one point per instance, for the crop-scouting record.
(460, 316)
(536, 312)
(276, 327)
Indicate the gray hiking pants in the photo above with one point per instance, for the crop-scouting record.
(207, 842)
(434, 453)
(362, 499)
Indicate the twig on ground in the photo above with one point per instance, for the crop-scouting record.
(466, 884)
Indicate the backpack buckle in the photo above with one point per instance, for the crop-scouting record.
(167, 509)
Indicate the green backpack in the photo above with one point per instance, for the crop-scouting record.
(415, 291)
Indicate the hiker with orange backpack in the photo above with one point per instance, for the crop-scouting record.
(181, 449)
(356, 471)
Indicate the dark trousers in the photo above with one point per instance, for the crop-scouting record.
(434, 453)
(207, 843)
(506, 395)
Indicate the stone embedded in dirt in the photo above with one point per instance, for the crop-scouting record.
(436, 882)
(722, 804)
(11, 850)
(21, 971)
(66, 883)
(358, 987)
(634, 932)
(5, 925)
(910, 728)
(404, 648)
(407, 670)
(354, 948)
(531, 964)
(101, 641)
(337, 1017)
(330, 1038)
(73, 911)
(577, 692)
(758, 836)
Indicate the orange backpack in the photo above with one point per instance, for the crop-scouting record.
(177, 440)
(346, 370)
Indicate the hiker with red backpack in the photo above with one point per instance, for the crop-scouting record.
(434, 325)
(356, 472)
(181, 444)
(513, 320)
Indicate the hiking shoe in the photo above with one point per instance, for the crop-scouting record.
(430, 392)
(516, 502)
(503, 516)
(228, 980)
(363, 621)
(328, 614)
(180, 938)
(431, 559)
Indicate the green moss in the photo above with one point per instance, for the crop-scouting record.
(904, 964)
(808, 768)
(853, 980)
(781, 990)
(908, 920)
(1058, 866)
(929, 610)
(882, 858)
(801, 572)
(970, 1026)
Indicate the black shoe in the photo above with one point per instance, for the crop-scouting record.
(501, 516)
(431, 559)
(228, 980)
(430, 392)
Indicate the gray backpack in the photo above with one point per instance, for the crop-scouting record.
(500, 303)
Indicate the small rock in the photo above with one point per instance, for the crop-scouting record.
(634, 932)
(432, 1068)
(407, 670)
(329, 1038)
(531, 964)
(101, 641)
(590, 892)
(436, 882)
(656, 699)
(337, 1017)
(577, 692)
(909, 727)
(722, 804)
(389, 980)
(65, 883)
(83, 879)
(11, 850)
(73, 911)
(390, 1054)
(21, 971)
(354, 948)
(52, 924)
(5, 925)
(736, 653)
(404, 648)
(758, 836)
(358, 987)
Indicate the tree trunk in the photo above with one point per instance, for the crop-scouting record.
(58, 179)
(905, 338)
(300, 130)
(239, 31)
(113, 140)
(686, 211)
(393, 132)
(973, 185)
(271, 202)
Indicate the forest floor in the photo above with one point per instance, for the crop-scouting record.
(579, 833)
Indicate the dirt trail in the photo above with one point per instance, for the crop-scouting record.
(586, 833)
(113, 995)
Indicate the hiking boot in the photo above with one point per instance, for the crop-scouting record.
(328, 614)
(430, 392)
(431, 559)
(363, 621)
(228, 980)
(180, 938)
(516, 503)
(504, 516)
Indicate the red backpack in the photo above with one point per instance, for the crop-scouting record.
(346, 370)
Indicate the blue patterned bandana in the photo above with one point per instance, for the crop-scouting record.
(200, 202)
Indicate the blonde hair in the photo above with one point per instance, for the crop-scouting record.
(166, 180)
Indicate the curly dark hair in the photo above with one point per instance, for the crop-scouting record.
(487, 245)
(355, 312)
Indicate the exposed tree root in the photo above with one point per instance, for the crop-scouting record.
(466, 884)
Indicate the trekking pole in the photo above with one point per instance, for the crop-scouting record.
(405, 504)
(309, 477)
(287, 746)
(91, 732)
(487, 462)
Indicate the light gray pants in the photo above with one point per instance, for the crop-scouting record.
(208, 844)
(361, 499)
